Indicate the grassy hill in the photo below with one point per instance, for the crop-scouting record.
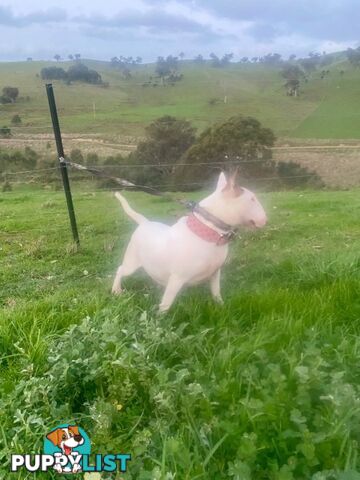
(327, 108)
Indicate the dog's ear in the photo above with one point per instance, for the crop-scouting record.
(231, 188)
(54, 436)
(74, 429)
(222, 182)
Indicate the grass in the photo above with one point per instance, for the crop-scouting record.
(325, 109)
(265, 387)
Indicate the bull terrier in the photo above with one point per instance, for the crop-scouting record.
(194, 249)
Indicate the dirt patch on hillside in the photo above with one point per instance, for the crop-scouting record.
(338, 165)
(44, 143)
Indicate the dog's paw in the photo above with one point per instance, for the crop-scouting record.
(116, 291)
(218, 299)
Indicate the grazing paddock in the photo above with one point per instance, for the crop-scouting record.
(265, 387)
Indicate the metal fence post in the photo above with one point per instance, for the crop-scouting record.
(61, 156)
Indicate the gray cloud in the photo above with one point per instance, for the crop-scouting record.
(335, 20)
(8, 18)
(154, 19)
(152, 27)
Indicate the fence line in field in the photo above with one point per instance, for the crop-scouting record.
(92, 176)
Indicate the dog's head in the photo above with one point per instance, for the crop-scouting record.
(66, 438)
(235, 205)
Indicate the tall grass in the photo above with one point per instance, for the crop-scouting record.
(264, 387)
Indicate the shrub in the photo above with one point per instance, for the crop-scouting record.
(5, 132)
(92, 159)
(80, 72)
(16, 119)
(291, 174)
(7, 187)
(11, 92)
(77, 72)
(53, 73)
(4, 99)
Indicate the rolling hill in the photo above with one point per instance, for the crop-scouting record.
(326, 108)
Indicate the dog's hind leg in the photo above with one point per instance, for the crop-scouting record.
(130, 264)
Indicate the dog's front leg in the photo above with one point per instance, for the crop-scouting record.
(173, 287)
(215, 287)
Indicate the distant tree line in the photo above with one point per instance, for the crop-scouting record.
(77, 72)
(124, 64)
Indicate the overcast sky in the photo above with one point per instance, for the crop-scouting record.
(149, 28)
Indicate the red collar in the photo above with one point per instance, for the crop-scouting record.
(205, 232)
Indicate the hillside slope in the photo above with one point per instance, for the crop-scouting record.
(327, 108)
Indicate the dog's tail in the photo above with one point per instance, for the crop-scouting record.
(137, 217)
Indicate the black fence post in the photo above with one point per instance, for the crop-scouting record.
(61, 156)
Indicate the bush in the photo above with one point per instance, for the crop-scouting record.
(291, 174)
(5, 132)
(7, 187)
(4, 99)
(77, 72)
(53, 73)
(11, 92)
(16, 120)
(92, 159)
(14, 161)
(80, 72)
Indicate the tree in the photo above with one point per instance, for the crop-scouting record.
(71, 57)
(57, 57)
(11, 92)
(221, 62)
(199, 59)
(166, 66)
(272, 59)
(53, 73)
(244, 59)
(292, 57)
(16, 119)
(310, 64)
(29, 59)
(80, 72)
(77, 56)
(293, 74)
(353, 55)
(138, 60)
(239, 139)
(182, 55)
(168, 138)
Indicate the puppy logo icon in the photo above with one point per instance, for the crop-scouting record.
(67, 451)
(68, 444)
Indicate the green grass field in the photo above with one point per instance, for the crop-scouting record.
(265, 387)
(325, 109)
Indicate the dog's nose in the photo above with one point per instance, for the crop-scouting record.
(78, 438)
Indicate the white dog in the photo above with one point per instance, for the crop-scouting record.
(195, 248)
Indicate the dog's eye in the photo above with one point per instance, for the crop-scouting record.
(64, 437)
